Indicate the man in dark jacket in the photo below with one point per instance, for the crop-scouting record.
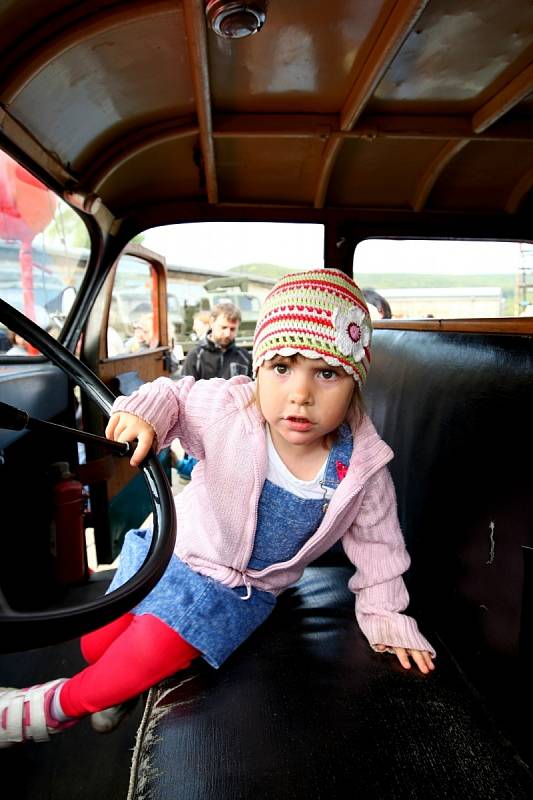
(217, 355)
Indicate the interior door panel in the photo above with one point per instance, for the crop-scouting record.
(134, 292)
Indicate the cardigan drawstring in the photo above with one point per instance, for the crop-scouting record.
(248, 586)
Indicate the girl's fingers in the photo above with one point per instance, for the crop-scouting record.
(403, 658)
(125, 427)
(422, 658)
(126, 433)
(116, 426)
(111, 425)
(419, 660)
(145, 440)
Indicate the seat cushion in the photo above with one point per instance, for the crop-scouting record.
(305, 709)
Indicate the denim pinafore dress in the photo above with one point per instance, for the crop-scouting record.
(212, 617)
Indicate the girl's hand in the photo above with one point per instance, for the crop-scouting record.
(422, 658)
(124, 427)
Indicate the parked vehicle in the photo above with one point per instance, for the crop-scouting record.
(47, 288)
(184, 301)
(232, 290)
(385, 122)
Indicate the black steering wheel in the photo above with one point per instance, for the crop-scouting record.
(22, 630)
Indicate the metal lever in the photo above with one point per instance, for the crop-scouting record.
(16, 420)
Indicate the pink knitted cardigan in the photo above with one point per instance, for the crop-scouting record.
(218, 422)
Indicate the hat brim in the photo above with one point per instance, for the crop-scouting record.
(292, 351)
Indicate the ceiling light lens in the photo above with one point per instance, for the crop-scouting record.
(235, 20)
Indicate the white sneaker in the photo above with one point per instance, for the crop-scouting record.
(108, 719)
(25, 714)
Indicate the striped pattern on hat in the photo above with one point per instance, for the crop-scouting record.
(319, 314)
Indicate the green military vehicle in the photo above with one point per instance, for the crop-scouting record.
(186, 299)
(235, 290)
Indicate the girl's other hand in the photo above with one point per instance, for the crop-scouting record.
(422, 658)
(124, 427)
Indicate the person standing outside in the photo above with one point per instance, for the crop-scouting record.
(201, 323)
(217, 355)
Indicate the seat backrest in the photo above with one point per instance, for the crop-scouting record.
(458, 411)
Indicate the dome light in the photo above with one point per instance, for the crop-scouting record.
(231, 19)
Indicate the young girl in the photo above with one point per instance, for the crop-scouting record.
(288, 465)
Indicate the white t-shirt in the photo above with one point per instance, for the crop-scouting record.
(281, 476)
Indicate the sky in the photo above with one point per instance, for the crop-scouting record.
(220, 245)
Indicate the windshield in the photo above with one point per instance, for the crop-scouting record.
(44, 249)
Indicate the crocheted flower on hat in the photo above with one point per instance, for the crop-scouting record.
(352, 332)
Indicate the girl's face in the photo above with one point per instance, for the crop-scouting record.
(303, 399)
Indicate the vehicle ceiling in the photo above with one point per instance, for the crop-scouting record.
(418, 106)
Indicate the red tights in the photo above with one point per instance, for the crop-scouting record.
(125, 658)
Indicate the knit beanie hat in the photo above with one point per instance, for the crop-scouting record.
(319, 314)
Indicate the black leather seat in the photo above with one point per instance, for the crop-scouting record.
(305, 709)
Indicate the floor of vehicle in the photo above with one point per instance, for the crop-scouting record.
(78, 763)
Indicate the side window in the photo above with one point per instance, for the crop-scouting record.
(416, 279)
(246, 303)
(44, 249)
(132, 324)
(232, 262)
